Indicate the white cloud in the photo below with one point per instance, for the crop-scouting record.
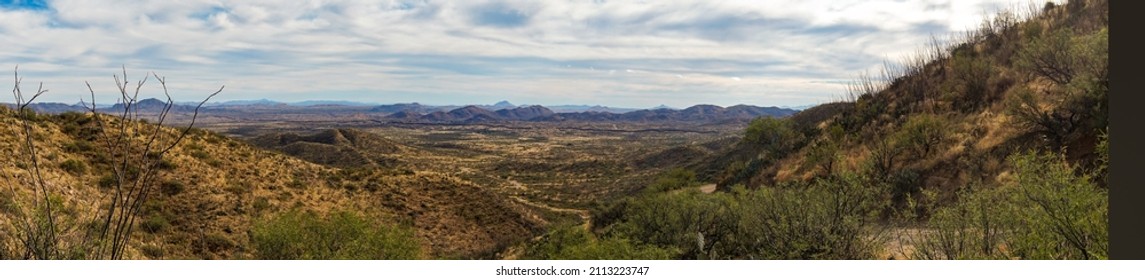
(306, 49)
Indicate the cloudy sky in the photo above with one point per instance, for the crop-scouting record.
(616, 53)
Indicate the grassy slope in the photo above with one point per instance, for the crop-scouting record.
(979, 130)
(217, 186)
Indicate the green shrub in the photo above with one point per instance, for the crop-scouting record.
(823, 153)
(1047, 212)
(8, 204)
(1078, 103)
(1067, 214)
(200, 154)
(73, 166)
(107, 181)
(215, 242)
(166, 164)
(296, 184)
(689, 222)
(828, 219)
(260, 204)
(968, 88)
(79, 146)
(1058, 118)
(155, 224)
(171, 187)
(674, 179)
(341, 235)
(922, 134)
(573, 242)
(774, 136)
(973, 228)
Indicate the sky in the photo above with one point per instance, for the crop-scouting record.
(635, 54)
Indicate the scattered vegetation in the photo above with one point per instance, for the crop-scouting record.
(1047, 212)
(299, 235)
(132, 164)
(992, 145)
(573, 242)
(826, 219)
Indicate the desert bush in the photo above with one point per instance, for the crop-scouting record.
(774, 136)
(1078, 66)
(1048, 211)
(172, 187)
(1058, 119)
(8, 204)
(968, 87)
(107, 181)
(903, 183)
(573, 242)
(1061, 56)
(166, 164)
(296, 183)
(975, 227)
(824, 152)
(689, 222)
(1067, 214)
(260, 204)
(74, 167)
(200, 154)
(155, 223)
(340, 235)
(215, 242)
(674, 179)
(827, 219)
(883, 159)
(922, 135)
(79, 146)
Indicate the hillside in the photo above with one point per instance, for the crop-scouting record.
(989, 146)
(953, 119)
(347, 148)
(211, 190)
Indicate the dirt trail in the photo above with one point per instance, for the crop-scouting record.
(584, 214)
(516, 251)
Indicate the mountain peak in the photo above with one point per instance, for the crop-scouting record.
(504, 103)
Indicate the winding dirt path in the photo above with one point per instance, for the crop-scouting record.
(515, 252)
(584, 214)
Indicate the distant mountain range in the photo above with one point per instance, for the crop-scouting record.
(473, 114)
(415, 112)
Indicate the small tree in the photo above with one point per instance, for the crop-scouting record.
(922, 135)
(968, 87)
(774, 136)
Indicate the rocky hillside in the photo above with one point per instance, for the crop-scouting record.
(952, 114)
